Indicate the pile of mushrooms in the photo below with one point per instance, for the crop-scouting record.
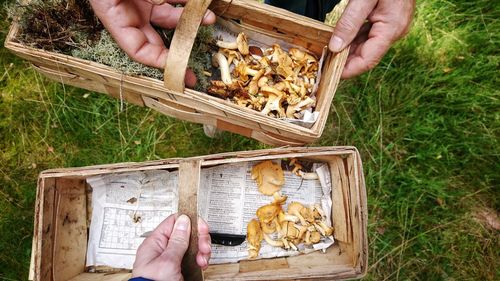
(272, 81)
(299, 224)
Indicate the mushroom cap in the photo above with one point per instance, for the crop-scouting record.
(254, 232)
(315, 237)
(307, 214)
(279, 199)
(268, 212)
(269, 177)
(242, 42)
(240, 71)
(254, 237)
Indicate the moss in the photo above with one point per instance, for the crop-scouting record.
(70, 27)
(107, 52)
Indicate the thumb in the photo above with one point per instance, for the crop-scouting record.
(350, 22)
(179, 240)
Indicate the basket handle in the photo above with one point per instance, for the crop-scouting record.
(189, 181)
(182, 44)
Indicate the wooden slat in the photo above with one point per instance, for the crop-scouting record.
(102, 277)
(189, 181)
(70, 239)
(276, 19)
(263, 264)
(45, 235)
(355, 209)
(340, 208)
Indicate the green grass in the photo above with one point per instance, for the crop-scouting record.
(426, 122)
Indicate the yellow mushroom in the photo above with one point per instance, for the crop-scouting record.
(282, 216)
(268, 213)
(306, 103)
(269, 177)
(315, 237)
(254, 237)
(274, 243)
(241, 44)
(295, 209)
(274, 100)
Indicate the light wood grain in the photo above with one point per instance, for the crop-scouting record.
(189, 181)
(70, 238)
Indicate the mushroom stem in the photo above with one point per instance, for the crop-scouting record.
(327, 230)
(291, 218)
(308, 176)
(220, 61)
(227, 45)
(320, 229)
(302, 229)
(292, 245)
(301, 218)
(308, 238)
(278, 225)
(272, 242)
(279, 199)
(285, 243)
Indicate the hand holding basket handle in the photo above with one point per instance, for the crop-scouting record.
(130, 23)
(159, 256)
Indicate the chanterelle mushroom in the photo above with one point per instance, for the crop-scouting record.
(291, 109)
(274, 100)
(272, 242)
(243, 71)
(295, 209)
(268, 213)
(315, 237)
(269, 177)
(254, 237)
(241, 44)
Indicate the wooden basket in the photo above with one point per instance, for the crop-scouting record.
(62, 220)
(173, 99)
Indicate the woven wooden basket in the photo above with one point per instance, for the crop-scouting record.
(173, 99)
(63, 214)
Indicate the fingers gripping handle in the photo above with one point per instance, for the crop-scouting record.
(189, 180)
(182, 44)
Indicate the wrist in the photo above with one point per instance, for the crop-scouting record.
(139, 279)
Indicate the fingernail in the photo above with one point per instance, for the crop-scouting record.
(182, 223)
(207, 14)
(336, 44)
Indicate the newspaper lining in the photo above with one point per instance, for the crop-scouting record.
(124, 206)
(127, 205)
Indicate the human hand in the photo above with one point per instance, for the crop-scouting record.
(130, 23)
(160, 255)
(388, 21)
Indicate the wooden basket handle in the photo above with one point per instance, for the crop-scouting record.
(182, 44)
(189, 181)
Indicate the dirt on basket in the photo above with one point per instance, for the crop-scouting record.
(57, 25)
